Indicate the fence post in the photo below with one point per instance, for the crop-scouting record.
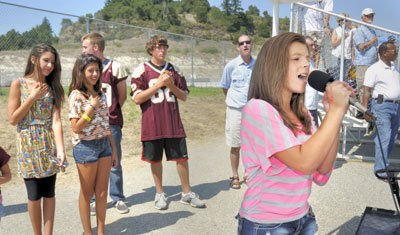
(148, 39)
(341, 71)
(192, 55)
(87, 25)
(224, 53)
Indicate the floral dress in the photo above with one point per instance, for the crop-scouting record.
(35, 138)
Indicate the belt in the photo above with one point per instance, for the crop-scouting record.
(390, 101)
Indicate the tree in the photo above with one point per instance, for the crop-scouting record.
(253, 11)
(65, 23)
(227, 7)
(236, 6)
(241, 20)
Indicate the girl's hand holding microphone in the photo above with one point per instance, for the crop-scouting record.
(337, 95)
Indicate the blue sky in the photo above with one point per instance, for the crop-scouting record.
(387, 11)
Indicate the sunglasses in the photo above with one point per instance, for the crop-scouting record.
(247, 42)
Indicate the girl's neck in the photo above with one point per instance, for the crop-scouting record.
(91, 91)
(36, 78)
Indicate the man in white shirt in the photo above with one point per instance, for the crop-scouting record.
(382, 84)
(316, 25)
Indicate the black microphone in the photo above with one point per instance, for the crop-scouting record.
(319, 80)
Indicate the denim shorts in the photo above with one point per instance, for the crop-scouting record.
(2, 211)
(306, 225)
(89, 151)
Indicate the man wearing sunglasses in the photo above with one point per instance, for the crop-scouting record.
(365, 50)
(235, 85)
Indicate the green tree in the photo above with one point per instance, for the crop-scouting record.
(236, 6)
(216, 17)
(253, 11)
(65, 23)
(241, 20)
(12, 40)
(227, 7)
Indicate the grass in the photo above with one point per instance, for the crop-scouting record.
(204, 91)
(194, 92)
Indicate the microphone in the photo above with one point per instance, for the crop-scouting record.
(319, 80)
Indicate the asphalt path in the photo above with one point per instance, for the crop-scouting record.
(338, 205)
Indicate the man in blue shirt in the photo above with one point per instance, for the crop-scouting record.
(365, 49)
(235, 85)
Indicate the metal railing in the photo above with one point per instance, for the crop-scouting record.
(352, 127)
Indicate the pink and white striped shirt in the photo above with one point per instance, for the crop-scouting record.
(276, 193)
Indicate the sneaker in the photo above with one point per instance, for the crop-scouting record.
(93, 208)
(359, 115)
(121, 207)
(160, 201)
(192, 199)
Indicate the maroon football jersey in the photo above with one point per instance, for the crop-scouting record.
(113, 73)
(160, 114)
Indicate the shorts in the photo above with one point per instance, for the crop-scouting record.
(175, 150)
(40, 187)
(89, 151)
(2, 211)
(232, 126)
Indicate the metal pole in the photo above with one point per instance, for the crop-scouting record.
(148, 38)
(224, 53)
(291, 17)
(275, 18)
(192, 55)
(87, 25)
(342, 51)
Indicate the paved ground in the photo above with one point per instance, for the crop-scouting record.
(338, 205)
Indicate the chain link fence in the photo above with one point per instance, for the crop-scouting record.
(201, 61)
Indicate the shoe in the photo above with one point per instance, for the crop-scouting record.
(93, 208)
(370, 129)
(359, 115)
(192, 199)
(160, 201)
(234, 184)
(121, 207)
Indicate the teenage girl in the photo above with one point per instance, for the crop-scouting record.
(283, 153)
(94, 149)
(34, 106)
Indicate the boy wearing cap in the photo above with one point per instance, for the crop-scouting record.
(365, 48)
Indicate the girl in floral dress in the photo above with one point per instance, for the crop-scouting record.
(34, 106)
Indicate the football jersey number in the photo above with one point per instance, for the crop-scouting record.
(108, 91)
(159, 96)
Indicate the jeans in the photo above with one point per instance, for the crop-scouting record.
(387, 124)
(305, 226)
(116, 179)
(336, 67)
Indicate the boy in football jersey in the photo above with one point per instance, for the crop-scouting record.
(114, 86)
(156, 87)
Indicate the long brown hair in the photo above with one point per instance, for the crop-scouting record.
(78, 74)
(268, 79)
(53, 80)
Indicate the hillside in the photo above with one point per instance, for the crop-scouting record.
(185, 17)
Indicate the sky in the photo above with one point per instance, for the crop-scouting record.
(386, 11)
